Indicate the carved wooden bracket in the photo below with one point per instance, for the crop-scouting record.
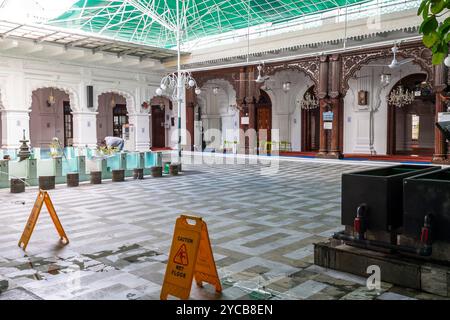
(308, 66)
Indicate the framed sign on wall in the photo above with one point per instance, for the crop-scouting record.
(362, 98)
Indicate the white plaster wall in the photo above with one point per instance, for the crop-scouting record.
(357, 118)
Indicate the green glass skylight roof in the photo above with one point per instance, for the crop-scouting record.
(152, 22)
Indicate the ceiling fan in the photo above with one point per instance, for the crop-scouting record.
(260, 78)
(394, 63)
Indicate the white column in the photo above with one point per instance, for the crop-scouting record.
(84, 129)
(13, 124)
(141, 123)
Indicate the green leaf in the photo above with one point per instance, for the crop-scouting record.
(429, 25)
(447, 38)
(425, 12)
(438, 6)
(421, 7)
(438, 58)
(430, 39)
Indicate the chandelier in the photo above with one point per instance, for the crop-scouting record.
(170, 82)
(400, 97)
(51, 99)
(309, 102)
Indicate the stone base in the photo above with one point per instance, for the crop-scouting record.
(396, 269)
(73, 179)
(17, 185)
(156, 171)
(47, 182)
(138, 173)
(118, 175)
(96, 177)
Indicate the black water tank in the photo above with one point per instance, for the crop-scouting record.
(381, 190)
(427, 194)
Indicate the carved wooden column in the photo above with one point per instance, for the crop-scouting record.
(191, 101)
(240, 101)
(250, 102)
(335, 102)
(322, 94)
(439, 140)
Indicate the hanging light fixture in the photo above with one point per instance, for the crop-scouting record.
(286, 86)
(400, 97)
(113, 101)
(51, 98)
(215, 90)
(385, 78)
(309, 102)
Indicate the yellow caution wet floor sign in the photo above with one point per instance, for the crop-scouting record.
(42, 198)
(190, 257)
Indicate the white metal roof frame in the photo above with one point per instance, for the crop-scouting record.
(79, 39)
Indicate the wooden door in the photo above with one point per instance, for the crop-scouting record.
(190, 126)
(310, 129)
(263, 121)
(158, 129)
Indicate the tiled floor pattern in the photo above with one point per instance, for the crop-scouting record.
(262, 228)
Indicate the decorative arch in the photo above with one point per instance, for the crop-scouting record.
(73, 95)
(351, 63)
(223, 84)
(129, 98)
(225, 75)
(392, 110)
(309, 67)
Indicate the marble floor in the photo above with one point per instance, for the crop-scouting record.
(262, 223)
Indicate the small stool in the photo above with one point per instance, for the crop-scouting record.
(156, 171)
(17, 185)
(138, 173)
(173, 169)
(47, 182)
(118, 175)
(96, 177)
(73, 179)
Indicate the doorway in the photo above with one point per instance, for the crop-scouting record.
(120, 117)
(263, 118)
(68, 125)
(112, 115)
(411, 127)
(158, 127)
(310, 125)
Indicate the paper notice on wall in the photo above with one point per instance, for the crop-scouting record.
(328, 125)
(245, 120)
